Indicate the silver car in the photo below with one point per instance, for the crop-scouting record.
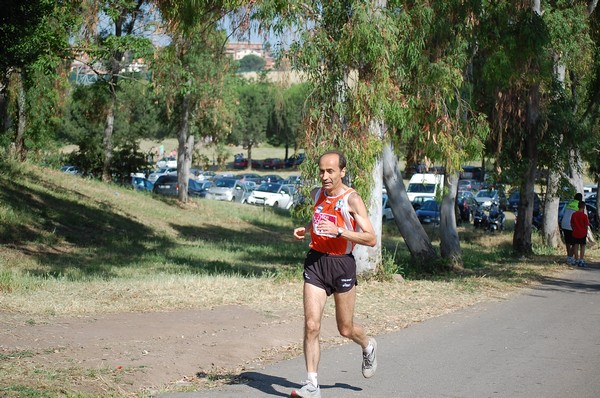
(228, 189)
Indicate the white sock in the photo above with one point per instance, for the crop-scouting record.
(369, 349)
(312, 377)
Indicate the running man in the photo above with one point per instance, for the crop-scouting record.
(339, 222)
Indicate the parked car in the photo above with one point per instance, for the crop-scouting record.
(472, 173)
(251, 185)
(588, 190)
(469, 185)
(485, 197)
(272, 178)
(228, 189)
(169, 161)
(386, 210)
(161, 172)
(466, 205)
(295, 160)
(293, 179)
(249, 177)
(513, 202)
(166, 185)
(272, 194)
(199, 189)
(418, 201)
(141, 184)
(242, 163)
(429, 212)
(273, 163)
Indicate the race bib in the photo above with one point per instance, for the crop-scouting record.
(320, 216)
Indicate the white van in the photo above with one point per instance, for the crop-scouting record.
(425, 185)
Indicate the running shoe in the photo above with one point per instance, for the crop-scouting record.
(307, 391)
(369, 363)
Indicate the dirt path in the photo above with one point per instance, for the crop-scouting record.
(145, 351)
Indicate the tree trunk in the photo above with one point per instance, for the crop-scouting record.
(422, 252)
(107, 140)
(449, 241)
(22, 118)
(249, 167)
(4, 120)
(522, 242)
(184, 149)
(368, 258)
(551, 231)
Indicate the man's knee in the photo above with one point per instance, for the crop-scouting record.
(312, 327)
(346, 330)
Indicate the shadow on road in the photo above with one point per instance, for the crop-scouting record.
(569, 286)
(268, 383)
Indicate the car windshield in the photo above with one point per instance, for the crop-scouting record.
(430, 205)
(225, 183)
(421, 188)
(484, 193)
(272, 188)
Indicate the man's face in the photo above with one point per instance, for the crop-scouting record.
(329, 171)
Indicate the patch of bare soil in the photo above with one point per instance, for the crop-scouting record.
(134, 352)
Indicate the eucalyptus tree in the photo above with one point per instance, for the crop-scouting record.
(194, 72)
(137, 117)
(285, 124)
(34, 36)
(254, 106)
(532, 114)
(389, 66)
(435, 112)
(114, 33)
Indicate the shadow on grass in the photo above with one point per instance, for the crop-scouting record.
(254, 243)
(484, 254)
(82, 237)
(63, 234)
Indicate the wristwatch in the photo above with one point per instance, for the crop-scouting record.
(340, 232)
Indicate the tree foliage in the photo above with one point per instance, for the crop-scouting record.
(251, 63)
(286, 120)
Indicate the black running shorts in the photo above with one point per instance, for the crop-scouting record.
(568, 237)
(333, 273)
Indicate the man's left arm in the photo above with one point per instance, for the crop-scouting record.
(366, 235)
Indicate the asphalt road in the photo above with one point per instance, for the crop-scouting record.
(543, 343)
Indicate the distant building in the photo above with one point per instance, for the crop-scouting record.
(241, 49)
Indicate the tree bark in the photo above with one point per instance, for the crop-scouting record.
(107, 140)
(449, 240)
(22, 118)
(422, 252)
(551, 231)
(368, 258)
(184, 149)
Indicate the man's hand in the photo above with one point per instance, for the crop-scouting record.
(299, 233)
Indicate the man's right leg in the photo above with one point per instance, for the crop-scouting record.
(314, 304)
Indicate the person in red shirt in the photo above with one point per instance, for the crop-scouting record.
(340, 221)
(579, 224)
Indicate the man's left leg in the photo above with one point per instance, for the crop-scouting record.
(344, 315)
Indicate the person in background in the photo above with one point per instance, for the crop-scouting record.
(565, 226)
(339, 222)
(579, 223)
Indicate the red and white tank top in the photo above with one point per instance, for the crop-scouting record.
(334, 208)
